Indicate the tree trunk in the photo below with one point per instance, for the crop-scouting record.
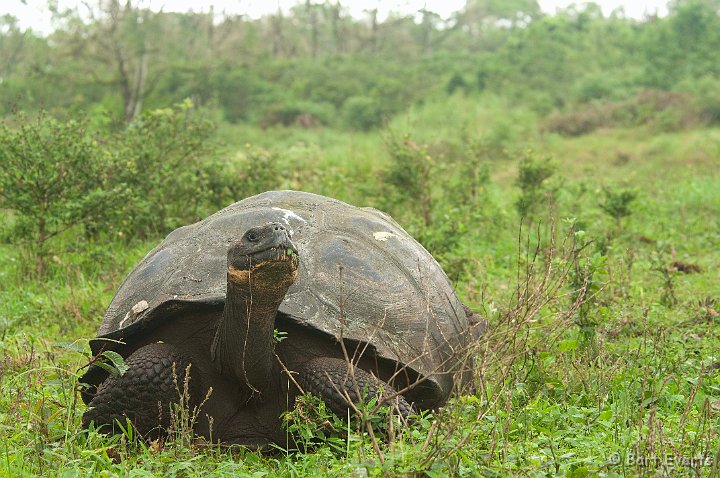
(40, 252)
(336, 29)
(277, 33)
(373, 31)
(427, 28)
(134, 107)
(312, 14)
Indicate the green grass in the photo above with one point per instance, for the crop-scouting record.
(642, 377)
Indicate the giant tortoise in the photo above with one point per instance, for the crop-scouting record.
(281, 293)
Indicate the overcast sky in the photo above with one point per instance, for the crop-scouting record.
(34, 14)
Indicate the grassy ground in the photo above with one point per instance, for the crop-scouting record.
(622, 379)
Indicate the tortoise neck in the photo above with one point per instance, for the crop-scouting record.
(244, 342)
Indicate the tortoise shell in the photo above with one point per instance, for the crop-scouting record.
(361, 278)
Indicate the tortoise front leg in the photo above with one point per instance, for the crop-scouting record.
(338, 385)
(144, 393)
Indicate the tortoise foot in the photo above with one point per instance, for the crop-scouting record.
(144, 394)
(340, 386)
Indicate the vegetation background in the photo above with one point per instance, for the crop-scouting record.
(563, 169)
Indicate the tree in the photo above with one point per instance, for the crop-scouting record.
(12, 42)
(684, 45)
(478, 15)
(119, 47)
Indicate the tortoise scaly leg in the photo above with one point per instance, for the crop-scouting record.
(334, 382)
(144, 393)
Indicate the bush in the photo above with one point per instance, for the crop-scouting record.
(616, 203)
(593, 88)
(255, 171)
(55, 177)
(534, 175)
(468, 173)
(147, 179)
(299, 113)
(163, 154)
(410, 176)
(660, 110)
(706, 98)
(362, 113)
(456, 82)
(240, 94)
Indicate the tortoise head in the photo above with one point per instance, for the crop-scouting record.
(261, 267)
(265, 254)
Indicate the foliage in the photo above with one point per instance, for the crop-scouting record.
(410, 176)
(163, 165)
(685, 45)
(457, 82)
(59, 178)
(55, 177)
(257, 171)
(591, 89)
(561, 384)
(362, 113)
(602, 347)
(316, 61)
(616, 203)
(705, 92)
(242, 94)
(588, 277)
(664, 111)
(536, 189)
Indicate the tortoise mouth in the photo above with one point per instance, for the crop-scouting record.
(277, 254)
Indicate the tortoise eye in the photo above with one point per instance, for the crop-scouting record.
(252, 236)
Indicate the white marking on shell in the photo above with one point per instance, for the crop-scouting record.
(383, 235)
(136, 309)
(140, 306)
(287, 214)
(122, 322)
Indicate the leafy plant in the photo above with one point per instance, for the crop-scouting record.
(616, 203)
(163, 164)
(588, 278)
(536, 189)
(660, 265)
(310, 423)
(455, 83)
(410, 175)
(253, 171)
(362, 113)
(55, 177)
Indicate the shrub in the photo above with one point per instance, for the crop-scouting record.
(588, 277)
(616, 203)
(54, 177)
(362, 113)
(534, 174)
(593, 88)
(578, 122)
(164, 165)
(470, 172)
(303, 114)
(239, 94)
(661, 110)
(455, 83)
(410, 175)
(706, 98)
